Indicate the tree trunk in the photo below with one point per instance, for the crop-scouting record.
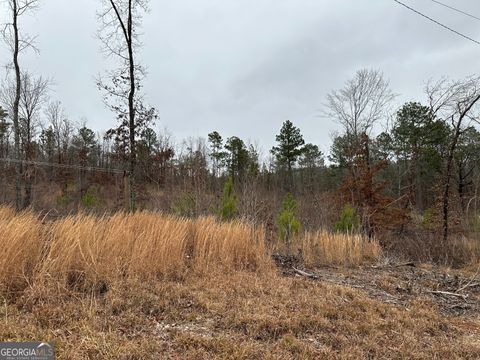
(450, 158)
(27, 198)
(289, 176)
(131, 109)
(446, 191)
(28, 169)
(16, 106)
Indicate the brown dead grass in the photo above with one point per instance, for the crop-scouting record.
(326, 248)
(116, 287)
(86, 251)
(237, 315)
(234, 245)
(466, 251)
(21, 245)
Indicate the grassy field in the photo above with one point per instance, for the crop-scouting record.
(149, 286)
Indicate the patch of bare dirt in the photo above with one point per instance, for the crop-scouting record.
(399, 283)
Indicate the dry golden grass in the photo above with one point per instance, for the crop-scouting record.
(234, 245)
(92, 249)
(236, 315)
(327, 248)
(21, 244)
(6, 213)
(115, 287)
(86, 250)
(466, 251)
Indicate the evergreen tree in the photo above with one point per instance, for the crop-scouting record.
(228, 209)
(290, 147)
(253, 169)
(419, 142)
(349, 220)
(86, 143)
(343, 150)
(311, 157)
(148, 141)
(216, 153)
(147, 148)
(310, 162)
(288, 223)
(237, 158)
(47, 145)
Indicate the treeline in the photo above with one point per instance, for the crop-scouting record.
(389, 179)
(388, 170)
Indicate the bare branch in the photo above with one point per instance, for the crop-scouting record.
(361, 103)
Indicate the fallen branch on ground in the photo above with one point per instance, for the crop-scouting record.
(410, 263)
(469, 284)
(447, 293)
(303, 273)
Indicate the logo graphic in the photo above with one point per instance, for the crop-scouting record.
(27, 351)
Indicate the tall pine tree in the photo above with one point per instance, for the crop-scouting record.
(289, 148)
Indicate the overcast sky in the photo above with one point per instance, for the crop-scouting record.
(242, 67)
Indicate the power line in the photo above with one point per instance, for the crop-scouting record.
(63, 166)
(437, 22)
(457, 10)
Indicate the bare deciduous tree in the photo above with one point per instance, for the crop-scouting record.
(32, 96)
(455, 102)
(62, 128)
(358, 106)
(361, 102)
(17, 43)
(120, 23)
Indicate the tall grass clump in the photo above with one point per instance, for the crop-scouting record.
(74, 255)
(85, 251)
(463, 252)
(6, 213)
(22, 246)
(233, 245)
(88, 250)
(323, 248)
